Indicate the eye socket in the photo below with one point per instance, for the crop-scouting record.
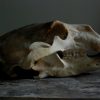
(60, 54)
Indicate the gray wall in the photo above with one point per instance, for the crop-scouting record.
(17, 13)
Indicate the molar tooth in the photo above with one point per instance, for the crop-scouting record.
(82, 53)
(64, 54)
(73, 53)
(76, 53)
(70, 53)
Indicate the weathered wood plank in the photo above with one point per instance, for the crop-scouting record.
(83, 86)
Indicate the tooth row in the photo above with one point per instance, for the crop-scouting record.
(74, 53)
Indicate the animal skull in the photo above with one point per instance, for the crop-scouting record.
(66, 57)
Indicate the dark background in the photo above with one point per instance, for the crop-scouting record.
(18, 13)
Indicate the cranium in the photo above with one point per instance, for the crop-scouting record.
(66, 57)
(53, 48)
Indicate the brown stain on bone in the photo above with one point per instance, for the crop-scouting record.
(84, 28)
(56, 29)
(13, 49)
(95, 46)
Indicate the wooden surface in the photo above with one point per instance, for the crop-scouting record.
(83, 86)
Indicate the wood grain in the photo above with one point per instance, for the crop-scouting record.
(83, 86)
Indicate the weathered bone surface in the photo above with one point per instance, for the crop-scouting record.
(73, 61)
(54, 49)
(74, 50)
